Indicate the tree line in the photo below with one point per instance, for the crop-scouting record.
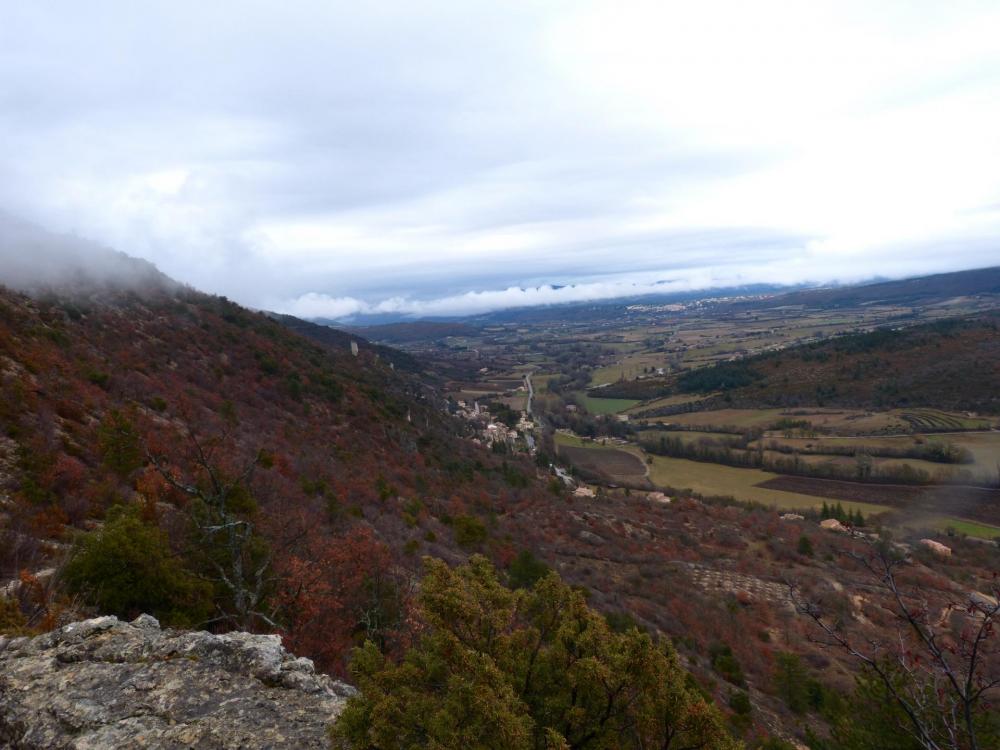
(711, 451)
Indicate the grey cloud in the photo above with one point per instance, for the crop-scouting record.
(443, 148)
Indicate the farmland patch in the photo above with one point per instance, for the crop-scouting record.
(973, 503)
(610, 462)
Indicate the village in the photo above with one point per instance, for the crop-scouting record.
(496, 433)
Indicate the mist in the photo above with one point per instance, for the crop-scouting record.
(36, 261)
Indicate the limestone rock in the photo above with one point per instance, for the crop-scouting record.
(936, 547)
(591, 538)
(104, 683)
(832, 524)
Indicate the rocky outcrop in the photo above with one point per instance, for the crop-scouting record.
(832, 524)
(104, 683)
(937, 548)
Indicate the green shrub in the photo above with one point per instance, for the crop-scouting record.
(621, 622)
(469, 531)
(518, 670)
(805, 546)
(740, 703)
(525, 570)
(791, 681)
(725, 664)
(119, 444)
(127, 568)
(775, 743)
(11, 620)
(98, 378)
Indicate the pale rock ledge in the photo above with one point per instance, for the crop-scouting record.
(104, 683)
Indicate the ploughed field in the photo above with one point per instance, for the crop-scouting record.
(975, 503)
(844, 422)
(610, 463)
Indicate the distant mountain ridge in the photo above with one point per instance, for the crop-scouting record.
(421, 330)
(919, 289)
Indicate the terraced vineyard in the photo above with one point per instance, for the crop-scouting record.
(933, 420)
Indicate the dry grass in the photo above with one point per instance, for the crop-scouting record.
(727, 418)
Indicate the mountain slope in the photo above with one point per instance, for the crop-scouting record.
(104, 395)
(341, 340)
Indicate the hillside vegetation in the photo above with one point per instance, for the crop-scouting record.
(952, 365)
(169, 452)
(205, 464)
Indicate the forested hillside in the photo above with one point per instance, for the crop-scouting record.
(952, 364)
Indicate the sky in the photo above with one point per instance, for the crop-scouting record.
(437, 158)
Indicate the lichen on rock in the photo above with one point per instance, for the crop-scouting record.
(103, 683)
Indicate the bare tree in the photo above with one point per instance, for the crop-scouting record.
(238, 559)
(940, 665)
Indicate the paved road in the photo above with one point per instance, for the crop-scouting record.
(531, 392)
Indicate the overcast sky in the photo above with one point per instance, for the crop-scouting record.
(326, 158)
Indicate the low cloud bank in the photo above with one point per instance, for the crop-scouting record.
(315, 305)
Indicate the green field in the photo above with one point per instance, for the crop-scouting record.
(599, 406)
(833, 441)
(726, 481)
(969, 528)
(565, 438)
(937, 471)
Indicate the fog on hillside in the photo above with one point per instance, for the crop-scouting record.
(34, 260)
